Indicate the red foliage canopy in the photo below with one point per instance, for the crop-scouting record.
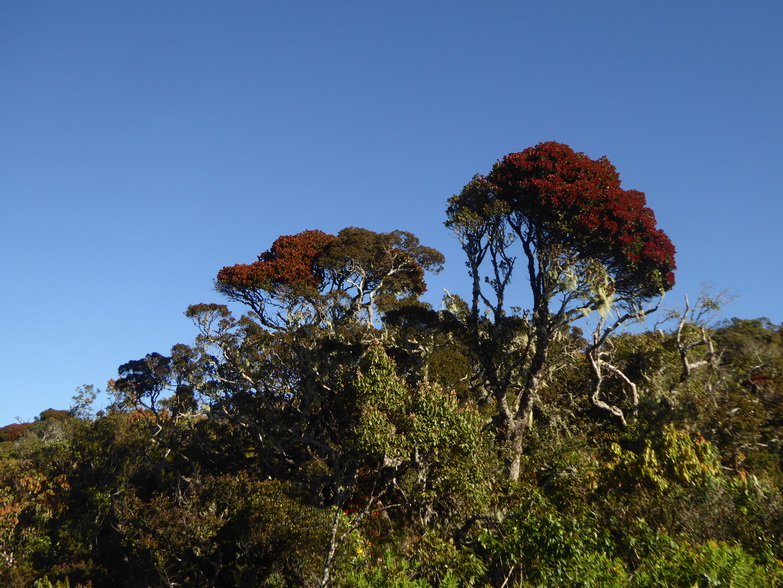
(568, 198)
(289, 263)
(357, 269)
(13, 431)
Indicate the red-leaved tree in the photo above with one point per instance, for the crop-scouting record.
(585, 244)
(316, 278)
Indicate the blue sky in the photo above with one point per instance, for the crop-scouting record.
(147, 144)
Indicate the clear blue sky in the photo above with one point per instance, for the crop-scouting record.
(144, 145)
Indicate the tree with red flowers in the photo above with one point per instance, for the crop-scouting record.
(283, 275)
(316, 278)
(584, 244)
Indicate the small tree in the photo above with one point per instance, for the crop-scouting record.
(319, 279)
(585, 243)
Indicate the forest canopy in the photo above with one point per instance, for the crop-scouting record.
(339, 430)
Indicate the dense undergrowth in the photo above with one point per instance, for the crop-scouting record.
(690, 494)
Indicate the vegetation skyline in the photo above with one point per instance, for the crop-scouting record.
(146, 144)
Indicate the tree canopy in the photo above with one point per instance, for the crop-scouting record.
(558, 198)
(356, 272)
(582, 235)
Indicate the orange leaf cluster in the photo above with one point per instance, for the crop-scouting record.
(290, 262)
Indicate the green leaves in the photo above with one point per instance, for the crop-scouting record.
(536, 545)
(397, 420)
(427, 431)
(673, 457)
